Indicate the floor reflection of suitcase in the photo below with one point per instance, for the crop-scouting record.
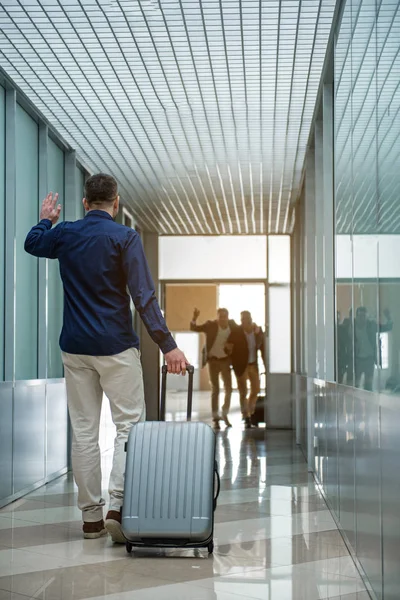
(259, 414)
(170, 476)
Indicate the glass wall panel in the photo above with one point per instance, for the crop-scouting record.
(358, 314)
(211, 257)
(279, 330)
(279, 259)
(344, 197)
(2, 229)
(367, 152)
(279, 277)
(365, 195)
(388, 122)
(55, 298)
(27, 209)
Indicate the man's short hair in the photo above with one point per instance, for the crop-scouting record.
(245, 313)
(101, 190)
(223, 310)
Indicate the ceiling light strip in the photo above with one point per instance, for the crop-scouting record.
(246, 224)
(224, 198)
(272, 155)
(284, 163)
(235, 208)
(215, 199)
(207, 202)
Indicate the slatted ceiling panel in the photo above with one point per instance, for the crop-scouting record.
(201, 110)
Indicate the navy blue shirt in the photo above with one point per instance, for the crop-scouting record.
(99, 262)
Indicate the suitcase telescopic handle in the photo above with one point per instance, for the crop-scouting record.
(164, 371)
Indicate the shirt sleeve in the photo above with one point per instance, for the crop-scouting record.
(141, 288)
(198, 328)
(41, 241)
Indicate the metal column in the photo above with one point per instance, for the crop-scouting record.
(10, 216)
(319, 240)
(70, 208)
(310, 279)
(70, 214)
(329, 240)
(296, 316)
(43, 264)
(310, 296)
(149, 350)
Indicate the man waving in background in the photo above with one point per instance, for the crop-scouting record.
(219, 364)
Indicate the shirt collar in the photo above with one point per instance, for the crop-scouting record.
(99, 213)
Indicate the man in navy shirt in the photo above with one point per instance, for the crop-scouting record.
(99, 262)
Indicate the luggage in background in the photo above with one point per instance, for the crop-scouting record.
(259, 414)
(170, 478)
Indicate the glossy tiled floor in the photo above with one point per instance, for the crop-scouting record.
(275, 538)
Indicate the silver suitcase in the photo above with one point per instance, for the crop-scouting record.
(171, 481)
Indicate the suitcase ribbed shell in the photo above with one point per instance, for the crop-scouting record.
(169, 483)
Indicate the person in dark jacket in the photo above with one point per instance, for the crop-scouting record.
(219, 364)
(99, 262)
(243, 344)
(367, 345)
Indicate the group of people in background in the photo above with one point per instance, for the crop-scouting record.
(232, 346)
(359, 346)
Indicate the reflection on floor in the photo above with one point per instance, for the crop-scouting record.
(275, 538)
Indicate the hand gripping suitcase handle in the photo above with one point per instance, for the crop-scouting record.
(190, 371)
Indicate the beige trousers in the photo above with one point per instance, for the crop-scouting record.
(217, 368)
(248, 404)
(87, 377)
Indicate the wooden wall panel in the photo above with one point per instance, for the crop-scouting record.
(180, 300)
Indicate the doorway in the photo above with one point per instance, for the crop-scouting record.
(237, 297)
(181, 298)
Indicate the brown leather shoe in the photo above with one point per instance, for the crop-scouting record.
(113, 526)
(216, 424)
(227, 421)
(92, 531)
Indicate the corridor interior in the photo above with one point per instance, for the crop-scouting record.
(275, 538)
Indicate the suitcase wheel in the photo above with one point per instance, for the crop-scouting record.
(210, 547)
(129, 547)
